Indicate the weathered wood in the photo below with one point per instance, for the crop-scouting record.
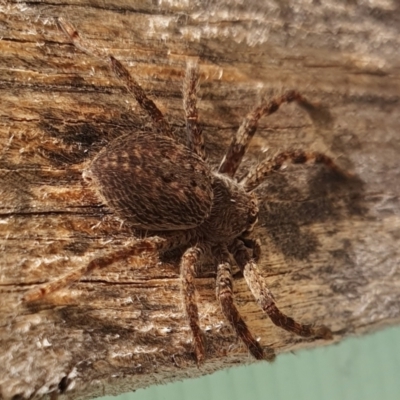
(330, 247)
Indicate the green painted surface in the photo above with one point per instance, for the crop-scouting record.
(366, 368)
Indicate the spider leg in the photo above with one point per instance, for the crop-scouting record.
(247, 129)
(225, 295)
(147, 105)
(265, 168)
(188, 262)
(148, 245)
(266, 300)
(190, 88)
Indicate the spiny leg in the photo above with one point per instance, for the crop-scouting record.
(247, 129)
(190, 88)
(266, 300)
(258, 174)
(149, 245)
(159, 122)
(225, 295)
(188, 262)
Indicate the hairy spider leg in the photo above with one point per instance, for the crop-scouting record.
(234, 155)
(194, 132)
(261, 171)
(188, 263)
(267, 303)
(147, 105)
(147, 245)
(266, 300)
(224, 292)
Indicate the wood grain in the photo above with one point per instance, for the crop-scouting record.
(330, 246)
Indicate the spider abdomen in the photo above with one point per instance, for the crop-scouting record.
(153, 182)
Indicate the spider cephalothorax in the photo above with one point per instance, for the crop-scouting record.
(169, 191)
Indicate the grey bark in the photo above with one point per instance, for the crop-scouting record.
(330, 246)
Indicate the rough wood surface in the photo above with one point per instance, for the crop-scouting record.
(330, 247)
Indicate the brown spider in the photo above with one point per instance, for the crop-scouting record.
(160, 186)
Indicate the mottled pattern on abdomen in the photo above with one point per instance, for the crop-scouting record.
(153, 183)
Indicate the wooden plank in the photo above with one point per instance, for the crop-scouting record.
(330, 247)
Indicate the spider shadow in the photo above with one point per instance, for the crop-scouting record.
(289, 205)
